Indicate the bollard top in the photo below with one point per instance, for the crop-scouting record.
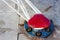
(39, 21)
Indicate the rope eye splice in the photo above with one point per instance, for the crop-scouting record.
(40, 26)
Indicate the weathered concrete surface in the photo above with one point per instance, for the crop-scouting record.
(8, 22)
(8, 26)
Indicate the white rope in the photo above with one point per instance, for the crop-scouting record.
(32, 6)
(23, 9)
(14, 10)
(21, 5)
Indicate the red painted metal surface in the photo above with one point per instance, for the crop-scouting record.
(39, 21)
